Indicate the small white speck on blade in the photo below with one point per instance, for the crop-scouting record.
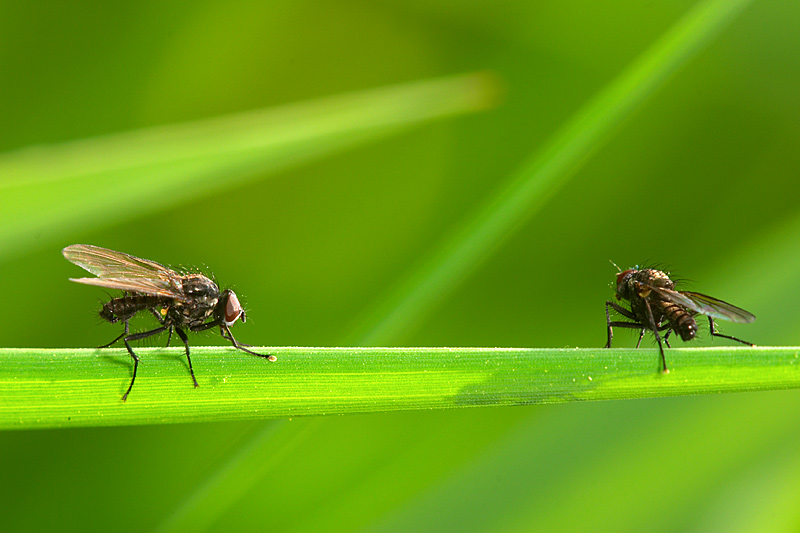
(590, 378)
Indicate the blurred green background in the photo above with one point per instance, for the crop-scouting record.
(702, 178)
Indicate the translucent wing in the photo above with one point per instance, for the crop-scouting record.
(108, 263)
(718, 309)
(705, 305)
(117, 270)
(152, 287)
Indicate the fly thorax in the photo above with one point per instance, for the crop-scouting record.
(201, 297)
(659, 279)
(199, 286)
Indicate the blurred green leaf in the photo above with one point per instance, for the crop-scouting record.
(548, 169)
(54, 190)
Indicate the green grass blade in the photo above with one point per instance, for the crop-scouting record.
(82, 387)
(53, 190)
(548, 169)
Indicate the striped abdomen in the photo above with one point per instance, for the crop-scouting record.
(682, 322)
(124, 308)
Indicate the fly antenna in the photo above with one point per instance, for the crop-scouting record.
(613, 263)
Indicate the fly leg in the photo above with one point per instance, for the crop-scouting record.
(185, 340)
(223, 329)
(654, 327)
(136, 337)
(162, 320)
(123, 334)
(714, 333)
(641, 335)
(624, 312)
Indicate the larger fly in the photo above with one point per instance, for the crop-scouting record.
(179, 302)
(657, 306)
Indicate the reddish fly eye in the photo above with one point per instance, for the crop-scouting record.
(622, 275)
(233, 310)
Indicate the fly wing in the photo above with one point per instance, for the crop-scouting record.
(716, 308)
(152, 287)
(674, 297)
(104, 263)
(118, 270)
(704, 305)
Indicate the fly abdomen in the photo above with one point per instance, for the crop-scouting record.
(124, 308)
(682, 322)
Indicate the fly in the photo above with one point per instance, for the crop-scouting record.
(179, 302)
(656, 306)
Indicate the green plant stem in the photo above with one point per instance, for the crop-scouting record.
(550, 167)
(82, 387)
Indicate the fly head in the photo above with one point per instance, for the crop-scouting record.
(229, 310)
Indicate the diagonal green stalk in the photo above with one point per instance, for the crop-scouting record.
(538, 179)
(82, 387)
(267, 448)
(53, 190)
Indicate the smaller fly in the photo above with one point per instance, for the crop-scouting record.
(178, 301)
(657, 306)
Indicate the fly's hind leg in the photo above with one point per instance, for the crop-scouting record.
(123, 334)
(714, 333)
(136, 337)
(624, 312)
(666, 338)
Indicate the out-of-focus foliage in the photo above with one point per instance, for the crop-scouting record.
(701, 178)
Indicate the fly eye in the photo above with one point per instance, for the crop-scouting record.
(233, 310)
(622, 275)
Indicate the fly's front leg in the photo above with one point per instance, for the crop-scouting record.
(227, 335)
(223, 329)
(624, 312)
